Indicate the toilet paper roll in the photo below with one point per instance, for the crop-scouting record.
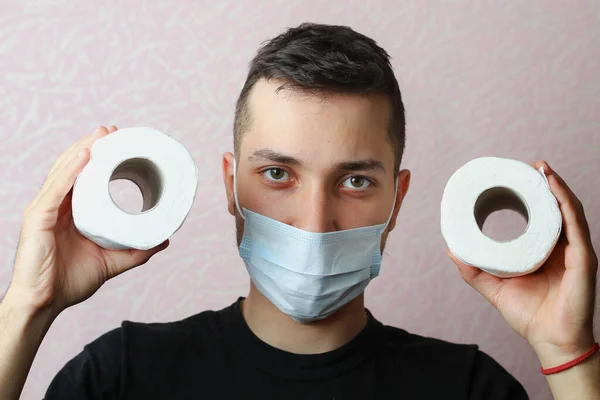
(488, 184)
(159, 165)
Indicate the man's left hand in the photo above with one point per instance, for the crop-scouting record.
(553, 307)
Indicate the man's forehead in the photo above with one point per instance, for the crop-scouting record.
(266, 94)
(301, 123)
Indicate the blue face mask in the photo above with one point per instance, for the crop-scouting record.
(308, 275)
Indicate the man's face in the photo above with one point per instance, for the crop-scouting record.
(320, 163)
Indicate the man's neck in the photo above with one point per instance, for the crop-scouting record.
(277, 329)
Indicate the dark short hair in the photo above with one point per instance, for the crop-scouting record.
(329, 59)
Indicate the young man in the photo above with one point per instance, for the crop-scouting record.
(315, 187)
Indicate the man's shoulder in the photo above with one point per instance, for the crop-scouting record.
(407, 342)
(136, 334)
(453, 361)
(105, 364)
(438, 356)
(190, 324)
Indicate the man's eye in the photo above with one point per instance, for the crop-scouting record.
(357, 182)
(276, 174)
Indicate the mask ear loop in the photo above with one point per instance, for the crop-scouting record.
(393, 205)
(235, 196)
(375, 267)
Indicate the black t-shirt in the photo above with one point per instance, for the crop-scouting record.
(214, 355)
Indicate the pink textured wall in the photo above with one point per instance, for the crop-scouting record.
(516, 79)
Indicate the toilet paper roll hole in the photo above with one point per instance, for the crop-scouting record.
(510, 214)
(148, 179)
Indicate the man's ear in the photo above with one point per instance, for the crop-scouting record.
(228, 159)
(403, 185)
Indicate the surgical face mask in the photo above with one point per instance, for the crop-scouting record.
(308, 275)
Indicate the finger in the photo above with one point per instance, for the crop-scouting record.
(85, 141)
(49, 203)
(65, 159)
(61, 156)
(67, 156)
(575, 225)
(486, 284)
(119, 261)
(112, 129)
(548, 171)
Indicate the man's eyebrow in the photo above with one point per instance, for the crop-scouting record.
(361, 165)
(280, 158)
(273, 156)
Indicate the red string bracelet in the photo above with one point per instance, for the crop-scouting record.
(569, 364)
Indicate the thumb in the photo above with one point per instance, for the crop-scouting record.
(119, 261)
(486, 284)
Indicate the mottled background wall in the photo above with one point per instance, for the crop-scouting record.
(516, 79)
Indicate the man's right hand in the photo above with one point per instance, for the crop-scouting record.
(55, 266)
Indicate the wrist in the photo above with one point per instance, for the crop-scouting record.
(22, 330)
(18, 304)
(551, 355)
